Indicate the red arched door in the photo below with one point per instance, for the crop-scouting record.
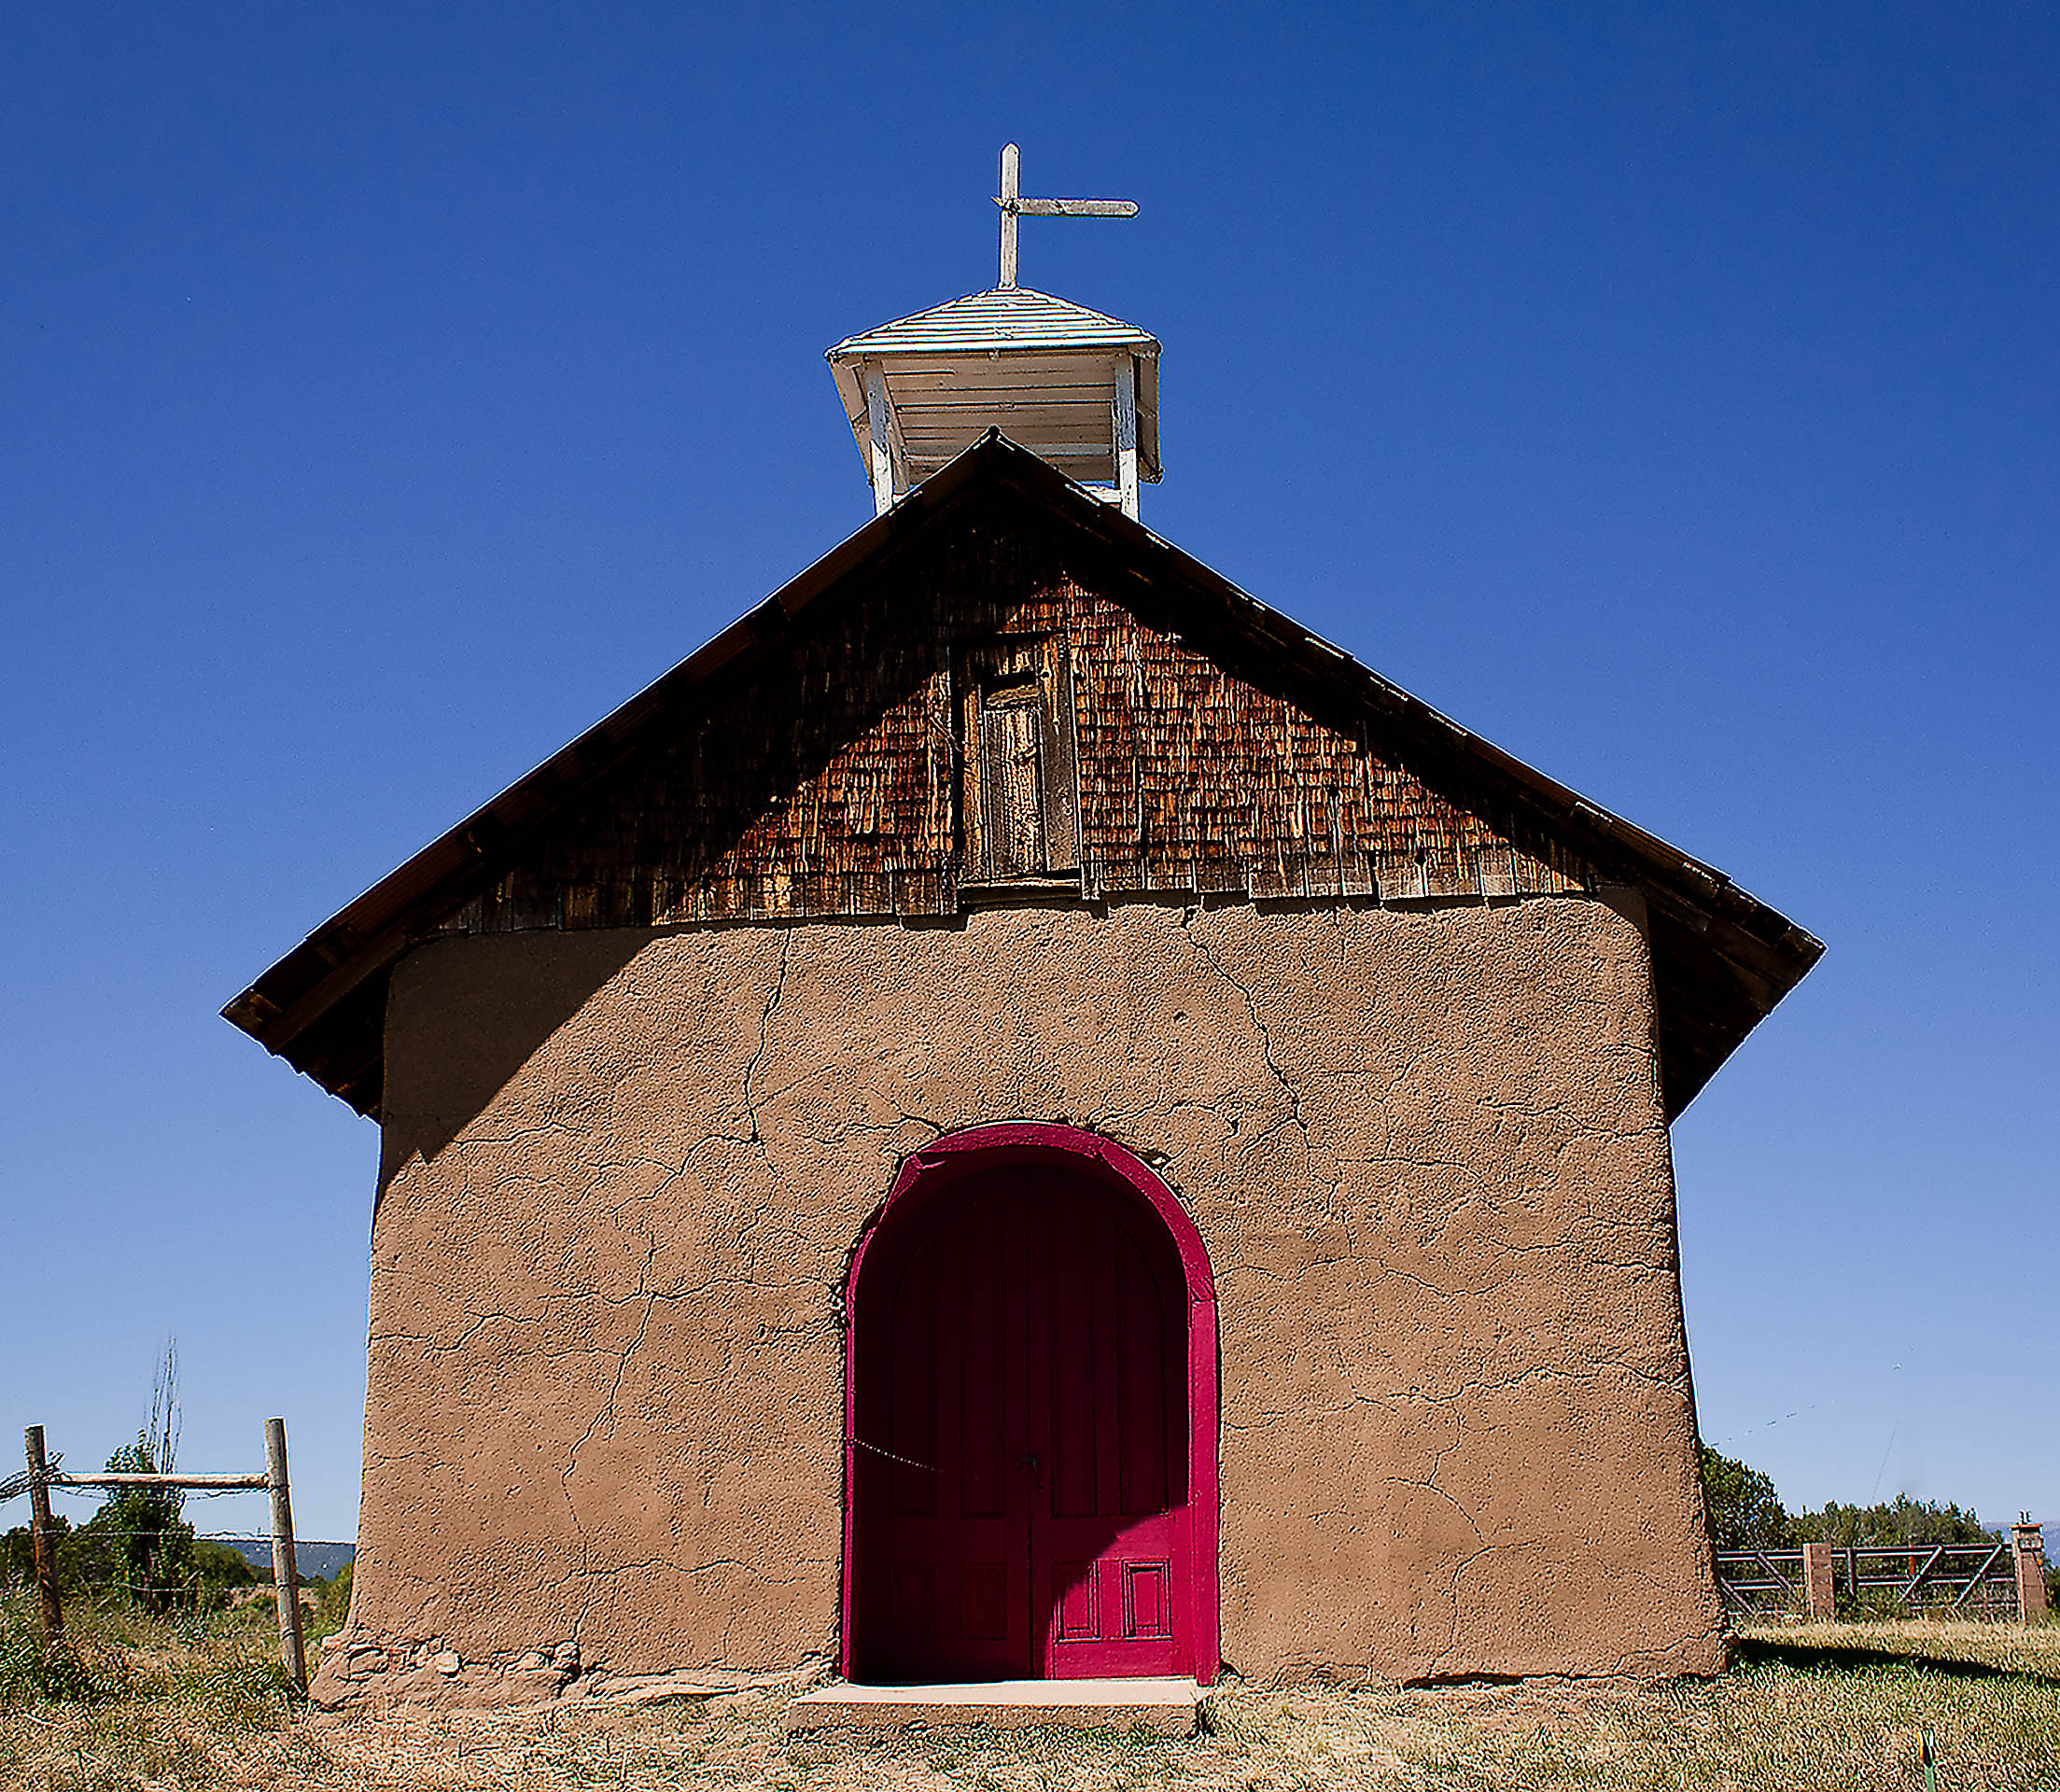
(1022, 1466)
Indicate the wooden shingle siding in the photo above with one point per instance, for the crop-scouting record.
(855, 774)
(1193, 778)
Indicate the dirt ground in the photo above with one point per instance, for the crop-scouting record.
(1807, 1707)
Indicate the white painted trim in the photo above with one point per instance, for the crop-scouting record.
(1123, 420)
(880, 421)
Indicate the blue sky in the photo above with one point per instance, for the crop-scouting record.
(1669, 394)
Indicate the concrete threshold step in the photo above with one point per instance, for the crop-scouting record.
(1167, 1705)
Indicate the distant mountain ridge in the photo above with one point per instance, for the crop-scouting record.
(316, 1560)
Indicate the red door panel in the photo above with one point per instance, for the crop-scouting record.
(1019, 1465)
(1106, 1336)
(947, 1503)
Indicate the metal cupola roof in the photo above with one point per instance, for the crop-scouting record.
(1074, 386)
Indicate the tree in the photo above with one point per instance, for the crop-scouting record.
(139, 1545)
(151, 1541)
(83, 1556)
(1745, 1511)
(18, 1554)
(1886, 1524)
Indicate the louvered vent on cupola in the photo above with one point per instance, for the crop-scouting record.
(1074, 386)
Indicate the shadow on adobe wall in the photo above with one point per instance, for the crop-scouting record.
(475, 1033)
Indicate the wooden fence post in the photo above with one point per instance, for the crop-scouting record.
(43, 1538)
(286, 1574)
(1819, 1603)
(2030, 1562)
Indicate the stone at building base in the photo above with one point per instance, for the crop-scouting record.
(358, 1670)
(1168, 1706)
(621, 1689)
(361, 1673)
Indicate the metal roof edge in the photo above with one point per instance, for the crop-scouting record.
(865, 342)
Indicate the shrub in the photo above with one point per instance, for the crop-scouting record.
(33, 1669)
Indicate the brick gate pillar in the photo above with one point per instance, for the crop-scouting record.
(2030, 1554)
(1819, 1602)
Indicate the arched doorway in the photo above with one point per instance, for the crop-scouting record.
(1029, 1418)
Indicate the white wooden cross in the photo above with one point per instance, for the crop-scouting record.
(1014, 205)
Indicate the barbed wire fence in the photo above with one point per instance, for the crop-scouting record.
(46, 1476)
(192, 1584)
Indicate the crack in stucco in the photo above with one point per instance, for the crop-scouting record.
(764, 1028)
(1294, 1117)
(607, 1413)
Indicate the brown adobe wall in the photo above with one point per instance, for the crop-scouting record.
(624, 1169)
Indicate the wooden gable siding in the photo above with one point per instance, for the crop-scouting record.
(834, 780)
(1192, 778)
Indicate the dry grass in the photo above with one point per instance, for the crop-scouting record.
(1810, 1707)
(135, 1701)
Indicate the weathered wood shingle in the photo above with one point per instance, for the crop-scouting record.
(823, 784)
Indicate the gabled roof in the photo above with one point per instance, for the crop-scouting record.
(1009, 317)
(1721, 959)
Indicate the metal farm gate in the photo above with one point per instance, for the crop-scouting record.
(1979, 1580)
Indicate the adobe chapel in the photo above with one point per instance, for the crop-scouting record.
(1019, 1115)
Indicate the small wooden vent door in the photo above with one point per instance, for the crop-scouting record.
(1021, 1466)
(1020, 786)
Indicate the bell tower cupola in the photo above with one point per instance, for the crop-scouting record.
(1074, 386)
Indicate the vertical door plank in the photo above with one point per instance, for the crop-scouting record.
(1061, 781)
